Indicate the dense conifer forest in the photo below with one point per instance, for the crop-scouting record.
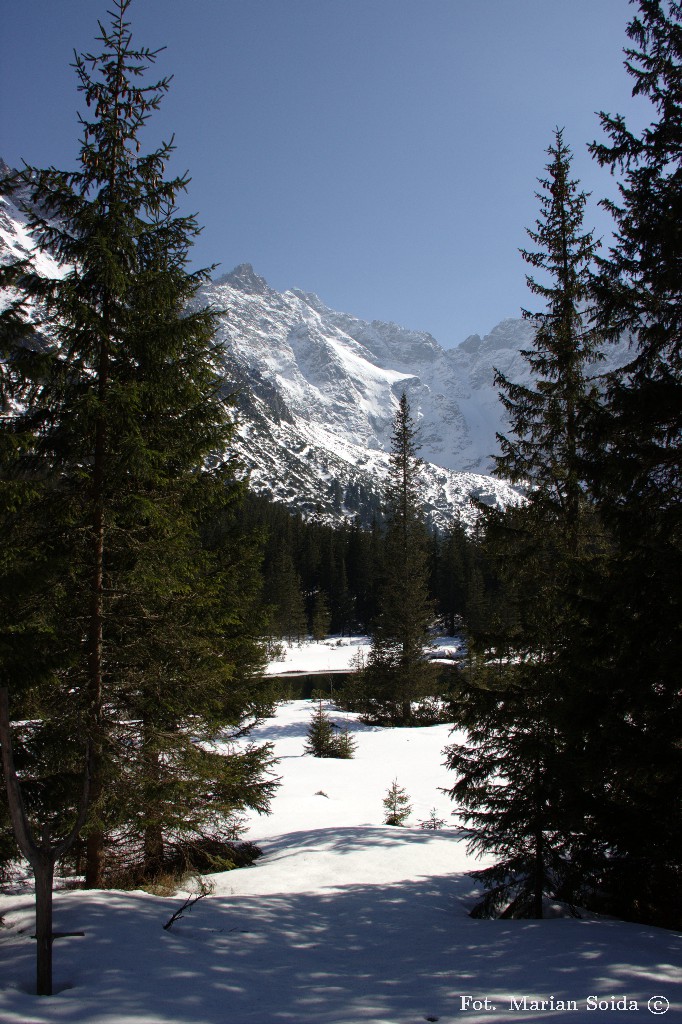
(321, 579)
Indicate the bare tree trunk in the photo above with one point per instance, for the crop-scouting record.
(42, 855)
(94, 854)
(153, 850)
(539, 871)
(95, 838)
(153, 833)
(43, 871)
(539, 857)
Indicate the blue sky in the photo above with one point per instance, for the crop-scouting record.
(382, 153)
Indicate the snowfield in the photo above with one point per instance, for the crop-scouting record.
(335, 654)
(343, 920)
(340, 654)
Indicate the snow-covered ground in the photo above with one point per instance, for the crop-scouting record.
(340, 654)
(343, 920)
(335, 654)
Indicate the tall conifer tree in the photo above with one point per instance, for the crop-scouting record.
(544, 448)
(397, 674)
(518, 728)
(631, 642)
(111, 413)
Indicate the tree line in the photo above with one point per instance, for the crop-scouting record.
(321, 579)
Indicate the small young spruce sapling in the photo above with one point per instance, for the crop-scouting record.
(322, 739)
(433, 822)
(397, 805)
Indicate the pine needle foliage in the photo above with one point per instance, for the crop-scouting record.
(320, 736)
(324, 740)
(543, 449)
(117, 489)
(512, 794)
(345, 744)
(631, 638)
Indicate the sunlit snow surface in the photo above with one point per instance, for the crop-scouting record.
(342, 653)
(343, 920)
(16, 243)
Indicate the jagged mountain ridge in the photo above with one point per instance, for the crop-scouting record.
(345, 374)
(317, 392)
(324, 387)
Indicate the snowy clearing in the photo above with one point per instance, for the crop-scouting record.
(340, 654)
(335, 654)
(343, 920)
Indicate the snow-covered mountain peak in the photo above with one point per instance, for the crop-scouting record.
(328, 384)
(323, 390)
(317, 392)
(310, 299)
(245, 278)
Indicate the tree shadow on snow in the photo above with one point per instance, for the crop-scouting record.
(373, 952)
(351, 838)
(270, 730)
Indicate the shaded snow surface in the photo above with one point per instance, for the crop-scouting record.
(343, 920)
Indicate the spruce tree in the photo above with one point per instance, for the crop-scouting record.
(113, 410)
(284, 592)
(320, 736)
(396, 674)
(362, 563)
(451, 577)
(630, 642)
(512, 791)
(535, 552)
(543, 450)
(321, 616)
(323, 739)
(345, 744)
(396, 805)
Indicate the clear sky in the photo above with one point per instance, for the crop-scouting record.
(382, 153)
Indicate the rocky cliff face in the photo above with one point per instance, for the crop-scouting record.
(344, 374)
(327, 386)
(317, 394)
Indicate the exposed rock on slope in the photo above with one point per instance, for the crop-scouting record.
(317, 392)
